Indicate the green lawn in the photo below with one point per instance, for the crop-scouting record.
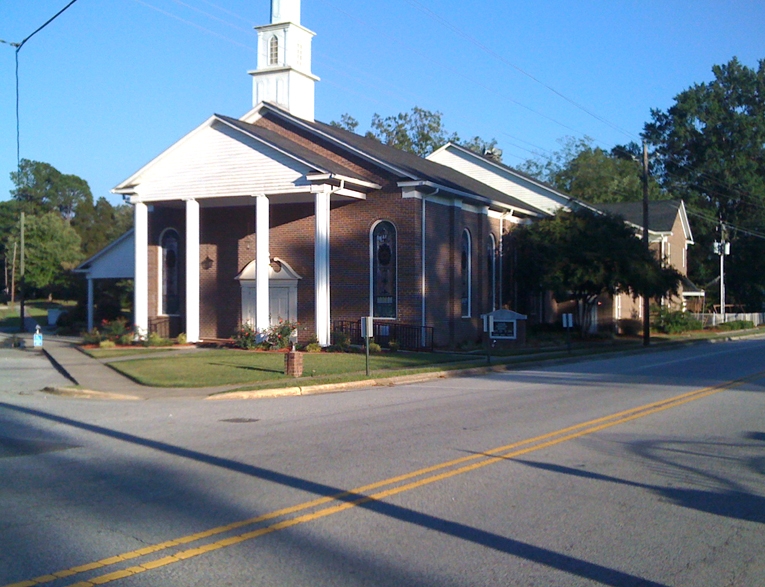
(9, 318)
(231, 367)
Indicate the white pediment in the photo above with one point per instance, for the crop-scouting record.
(279, 270)
(217, 161)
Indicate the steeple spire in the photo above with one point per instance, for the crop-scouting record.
(284, 73)
(285, 11)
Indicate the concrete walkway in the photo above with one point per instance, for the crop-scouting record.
(93, 375)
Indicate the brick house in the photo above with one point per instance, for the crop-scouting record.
(277, 216)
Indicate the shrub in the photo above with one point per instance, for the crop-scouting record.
(181, 338)
(155, 339)
(313, 347)
(374, 348)
(672, 322)
(115, 330)
(246, 337)
(278, 336)
(394, 346)
(126, 339)
(106, 344)
(341, 339)
(92, 337)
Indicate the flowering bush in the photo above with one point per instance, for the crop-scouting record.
(276, 336)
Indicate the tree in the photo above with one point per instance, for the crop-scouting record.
(582, 255)
(41, 188)
(592, 174)
(711, 149)
(419, 131)
(52, 249)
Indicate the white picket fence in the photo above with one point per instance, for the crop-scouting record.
(711, 320)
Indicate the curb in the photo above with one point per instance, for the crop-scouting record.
(59, 367)
(87, 394)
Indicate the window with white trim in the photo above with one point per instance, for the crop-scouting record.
(466, 266)
(171, 299)
(384, 270)
(273, 51)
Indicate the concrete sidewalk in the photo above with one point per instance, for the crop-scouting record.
(93, 375)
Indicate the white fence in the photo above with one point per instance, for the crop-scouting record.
(711, 320)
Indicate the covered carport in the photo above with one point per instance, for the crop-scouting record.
(115, 261)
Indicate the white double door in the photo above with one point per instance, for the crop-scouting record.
(281, 304)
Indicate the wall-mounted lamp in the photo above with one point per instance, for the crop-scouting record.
(207, 263)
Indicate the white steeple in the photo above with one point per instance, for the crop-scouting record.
(285, 11)
(284, 73)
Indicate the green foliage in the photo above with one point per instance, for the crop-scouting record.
(394, 346)
(340, 339)
(181, 338)
(278, 336)
(675, 322)
(312, 347)
(418, 131)
(52, 248)
(591, 174)
(107, 344)
(374, 348)
(275, 337)
(154, 340)
(582, 255)
(92, 337)
(711, 147)
(246, 337)
(736, 325)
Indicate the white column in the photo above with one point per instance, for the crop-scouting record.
(90, 304)
(141, 278)
(262, 263)
(192, 271)
(321, 268)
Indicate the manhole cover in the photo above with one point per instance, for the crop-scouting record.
(240, 420)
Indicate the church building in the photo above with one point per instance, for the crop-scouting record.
(276, 216)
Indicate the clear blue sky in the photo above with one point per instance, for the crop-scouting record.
(112, 83)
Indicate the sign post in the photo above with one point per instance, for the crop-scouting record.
(367, 327)
(37, 338)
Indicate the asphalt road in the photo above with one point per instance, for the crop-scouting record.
(639, 470)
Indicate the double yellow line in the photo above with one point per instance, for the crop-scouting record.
(360, 495)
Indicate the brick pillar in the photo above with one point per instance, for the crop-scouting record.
(293, 364)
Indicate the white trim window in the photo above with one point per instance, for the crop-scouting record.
(384, 269)
(491, 259)
(273, 50)
(466, 266)
(169, 273)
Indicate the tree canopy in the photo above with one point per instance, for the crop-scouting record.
(710, 146)
(582, 255)
(592, 174)
(61, 218)
(418, 131)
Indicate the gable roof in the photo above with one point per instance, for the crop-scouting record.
(661, 214)
(405, 165)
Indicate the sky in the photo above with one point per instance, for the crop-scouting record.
(111, 84)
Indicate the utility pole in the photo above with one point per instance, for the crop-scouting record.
(22, 327)
(646, 299)
(722, 248)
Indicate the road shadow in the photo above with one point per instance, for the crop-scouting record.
(394, 575)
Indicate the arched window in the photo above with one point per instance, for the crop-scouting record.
(384, 270)
(273, 51)
(491, 260)
(467, 274)
(171, 300)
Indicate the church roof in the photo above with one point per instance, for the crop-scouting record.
(407, 166)
(661, 214)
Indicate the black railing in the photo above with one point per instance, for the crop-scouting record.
(160, 325)
(407, 336)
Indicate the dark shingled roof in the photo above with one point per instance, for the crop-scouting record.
(412, 167)
(273, 138)
(661, 214)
